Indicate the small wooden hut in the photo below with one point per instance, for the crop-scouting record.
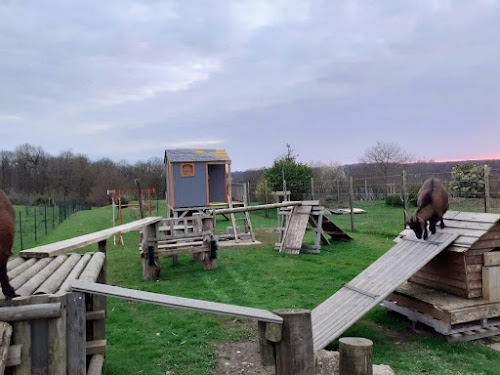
(197, 179)
(459, 290)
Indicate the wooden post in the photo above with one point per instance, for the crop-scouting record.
(150, 262)
(229, 183)
(356, 356)
(487, 200)
(22, 336)
(5, 335)
(312, 188)
(198, 228)
(208, 226)
(266, 347)
(366, 189)
(351, 193)
(75, 333)
(338, 190)
(141, 205)
(99, 303)
(405, 194)
(295, 353)
(57, 336)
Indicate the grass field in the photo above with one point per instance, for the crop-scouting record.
(146, 339)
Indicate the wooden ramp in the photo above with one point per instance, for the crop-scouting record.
(370, 287)
(294, 235)
(333, 231)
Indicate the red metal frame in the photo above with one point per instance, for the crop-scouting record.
(146, 202)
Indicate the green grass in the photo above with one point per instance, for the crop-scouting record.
(147, 339)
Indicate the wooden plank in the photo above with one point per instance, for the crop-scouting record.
(491, 283)
(96, 347)
(22, 337)
(415, 316)
(57, 339)
(255, 208)
(40, 339)
(65, 246)
(491, 259)
(5, 335)
(474, 335)
(14, 356)
(476, 217)
(176, 302)
(425, 308)
(75, 333)
(294, 235)
(174, 252)
(336, 314)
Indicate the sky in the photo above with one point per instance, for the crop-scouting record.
(127, 79)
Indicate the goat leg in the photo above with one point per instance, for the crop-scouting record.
(7, 289)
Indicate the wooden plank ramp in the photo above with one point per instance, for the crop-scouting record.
(65, 246)
(334, 231)
(294, 234)
(370, 287)
(176, 302)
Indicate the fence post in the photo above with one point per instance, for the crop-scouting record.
(34, 211)
(405, 194)
(53, 217)
(366, 190)
(150, 262)
(351, 193)
(312, 188)
(338, 190)
(21, 229)
(294, 352)
(487, 201)
(45, 214)
(356, 356)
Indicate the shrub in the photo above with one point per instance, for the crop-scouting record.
(412, 195)
(467, 180)
(394, 200)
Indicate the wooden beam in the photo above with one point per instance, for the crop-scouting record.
(176, 302)
(223, 211)
(30, 312)
(65, 246)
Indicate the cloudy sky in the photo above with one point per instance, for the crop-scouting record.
(127, 79)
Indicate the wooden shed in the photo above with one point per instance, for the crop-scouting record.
(196, 179)
(459, 268)
(55, 330)
(458, 292)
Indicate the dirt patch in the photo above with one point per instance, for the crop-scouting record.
(403, 337)
(241, 357)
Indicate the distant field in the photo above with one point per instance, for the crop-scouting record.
(146, 339)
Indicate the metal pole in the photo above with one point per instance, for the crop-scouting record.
(45, 213)
(487, 201)
(34, 210)
(405, 194)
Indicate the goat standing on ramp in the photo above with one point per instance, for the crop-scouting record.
(432, 203)
(7, 229)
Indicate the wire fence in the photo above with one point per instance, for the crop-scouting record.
(33, 223)
(335, 193)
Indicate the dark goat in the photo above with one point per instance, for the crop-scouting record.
(7, 227)
(432, 203)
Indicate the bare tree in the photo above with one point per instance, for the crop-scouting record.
(385, 156)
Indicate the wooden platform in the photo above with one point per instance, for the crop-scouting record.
(461, 319)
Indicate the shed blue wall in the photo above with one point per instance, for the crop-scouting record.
(216, 183)
(190, 191)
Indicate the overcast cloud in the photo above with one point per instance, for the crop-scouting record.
(127, 79)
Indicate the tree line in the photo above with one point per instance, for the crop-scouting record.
(30, 175)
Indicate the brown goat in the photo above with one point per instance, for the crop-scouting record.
(432, 203)
(7, 228)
